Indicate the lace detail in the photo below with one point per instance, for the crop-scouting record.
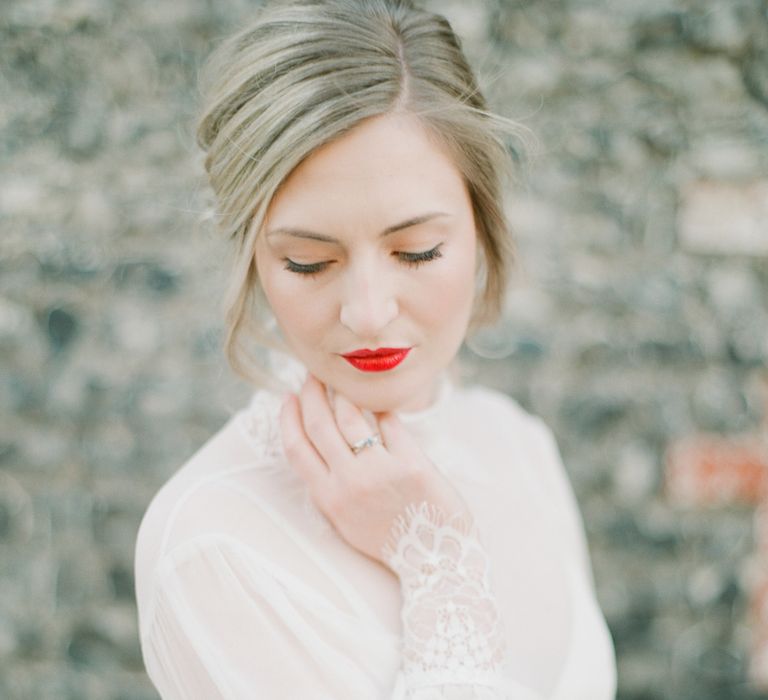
(260, 423)
(453, 637)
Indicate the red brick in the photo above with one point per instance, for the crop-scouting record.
(714, 470)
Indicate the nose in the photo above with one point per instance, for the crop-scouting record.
(368, 302)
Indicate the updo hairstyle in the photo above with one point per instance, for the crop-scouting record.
(306, 72)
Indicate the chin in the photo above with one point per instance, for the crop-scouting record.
(378, 392)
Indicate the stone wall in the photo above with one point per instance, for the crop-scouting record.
(637, 316)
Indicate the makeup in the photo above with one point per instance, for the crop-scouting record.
(413, 292)
(379, 360)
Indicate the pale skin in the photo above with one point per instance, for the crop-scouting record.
(369, 243)
(361, 495)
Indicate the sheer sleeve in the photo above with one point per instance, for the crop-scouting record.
(453, 635)
(226, 624)
(190, 650)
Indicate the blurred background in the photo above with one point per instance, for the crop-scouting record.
(636, 325)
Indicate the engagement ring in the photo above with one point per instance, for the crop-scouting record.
(370, 441)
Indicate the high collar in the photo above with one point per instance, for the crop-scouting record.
(425, 415)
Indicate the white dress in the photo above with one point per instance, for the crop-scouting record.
(245, 590)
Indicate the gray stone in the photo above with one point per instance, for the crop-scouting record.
(591, 31)
(80, 579)
(755, 74)
(729, 159)
(61, 326)
(31, 643)
(721, 27)
(636, 474)
(747, 342)
(594, 414)
(724, 218)
(90, 646)
(659, 29)
(148, 275)
(734, 289)
(17, 520)
(717, 405)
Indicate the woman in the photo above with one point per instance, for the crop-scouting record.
(366, 527)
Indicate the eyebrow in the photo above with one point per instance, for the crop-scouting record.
(303, 233)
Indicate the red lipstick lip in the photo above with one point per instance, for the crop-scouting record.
(379, 352)
(381, 360)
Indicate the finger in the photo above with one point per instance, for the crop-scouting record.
(351, 422)
(320, 424)
(298, 449)
(396, 436)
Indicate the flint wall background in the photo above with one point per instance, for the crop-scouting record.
(638, 316)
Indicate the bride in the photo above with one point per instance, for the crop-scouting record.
(367, 526)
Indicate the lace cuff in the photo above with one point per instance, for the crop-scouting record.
(453, 635)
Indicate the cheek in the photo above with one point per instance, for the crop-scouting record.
(294, 308)
(450, 299)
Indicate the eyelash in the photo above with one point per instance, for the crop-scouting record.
(410, 259)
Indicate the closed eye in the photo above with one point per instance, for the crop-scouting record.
(309, 270)
(416, 259)
(410, 259)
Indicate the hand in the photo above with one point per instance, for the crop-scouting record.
(361, 495)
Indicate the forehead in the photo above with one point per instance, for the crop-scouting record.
(386, 166)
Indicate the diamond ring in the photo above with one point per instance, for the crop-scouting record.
(370, 441)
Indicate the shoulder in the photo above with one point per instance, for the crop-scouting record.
(210, 490)
(502, 412)
(499, 418)
(164, 506)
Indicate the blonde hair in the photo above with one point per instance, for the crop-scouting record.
(304, 73)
